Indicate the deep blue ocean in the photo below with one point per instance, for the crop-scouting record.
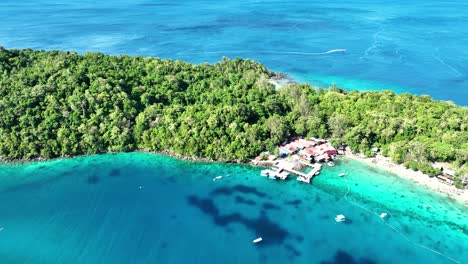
(145, 208)
(418, 46)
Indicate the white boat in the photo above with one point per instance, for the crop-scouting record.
(1, 228)
(341, 174)
(383, 215)
(267, 173)
(217, 178)
(331, 163)
(257, 240)
(340, 218)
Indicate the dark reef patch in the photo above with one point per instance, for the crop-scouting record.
(163, 245)
(238, 188)
(93, 179)
(323, 217)
(169, 180)
(317, 199)
(406, 229)
(294, 203)
(319, 242)
(270, 206)
(114, 173)
(293, 250)
(36, 184)
(343, 257)
(241, 200)
(205, 205)
(271, 232)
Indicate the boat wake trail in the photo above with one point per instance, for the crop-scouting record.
(375, 43)
(392, 227)
(450, 67)
(277, 52)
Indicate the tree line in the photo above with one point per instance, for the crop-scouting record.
(56, 103)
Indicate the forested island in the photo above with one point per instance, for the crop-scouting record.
(60, 104)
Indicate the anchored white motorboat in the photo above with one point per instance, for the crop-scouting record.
(257, 240)
(342, 174)
(340, 218)
(217, 178)
(267, 173)
(383, 215)
(331, 163)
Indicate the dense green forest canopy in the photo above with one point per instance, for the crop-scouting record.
(55, 103)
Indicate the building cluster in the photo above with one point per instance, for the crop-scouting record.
(299, 156)
(446, 176)
(312, 150)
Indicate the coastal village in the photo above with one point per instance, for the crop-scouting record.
(305, 158)
(300, 157)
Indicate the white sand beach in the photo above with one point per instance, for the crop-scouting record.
(431, 183)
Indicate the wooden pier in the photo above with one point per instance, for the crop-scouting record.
(315, 170)
(294, 155)
(283, 169)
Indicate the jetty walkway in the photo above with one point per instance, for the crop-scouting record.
(283, 168)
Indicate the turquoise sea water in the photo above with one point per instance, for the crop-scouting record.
(145, 208)
(417, 46)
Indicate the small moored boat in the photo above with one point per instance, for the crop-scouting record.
(217, 178)
(341, 174)
(383, 215)
(340, 218)
(331, 163)
(268, 173)
(259, 239)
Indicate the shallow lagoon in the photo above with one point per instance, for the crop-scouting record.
(145, 208)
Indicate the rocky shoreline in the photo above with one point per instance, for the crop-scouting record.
(279, 79)
(162, 152)
(418, 177)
